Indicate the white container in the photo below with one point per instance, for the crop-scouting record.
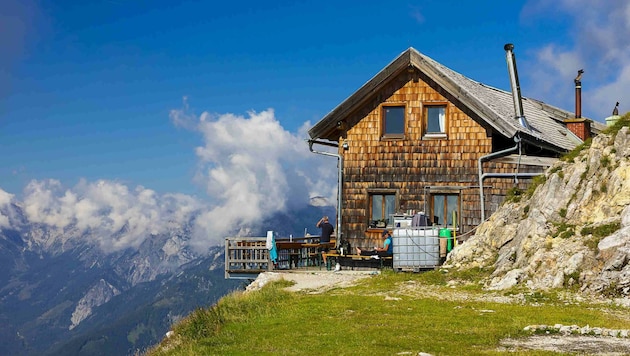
(401, 221)
(416, 248)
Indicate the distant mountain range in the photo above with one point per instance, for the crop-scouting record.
(62, 295)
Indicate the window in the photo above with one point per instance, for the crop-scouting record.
(393, 120)
(445, 209)
(435, 119)
(382, 205)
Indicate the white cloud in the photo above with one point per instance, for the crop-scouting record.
(118, 217)
(5, 204)
(5, 198)
(416, 14)
(598, 42)
(182, 117)
(251, 168)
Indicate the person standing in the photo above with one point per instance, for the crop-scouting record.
(324, 240)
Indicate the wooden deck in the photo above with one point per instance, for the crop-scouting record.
(415, 250)
(246, 257)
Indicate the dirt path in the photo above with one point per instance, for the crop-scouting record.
(312, 281)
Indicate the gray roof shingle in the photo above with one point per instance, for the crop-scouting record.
(494, 106)
(545, 120)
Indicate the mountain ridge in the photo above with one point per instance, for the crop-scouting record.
(64, 295)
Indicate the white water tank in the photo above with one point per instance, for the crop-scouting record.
(416, 248)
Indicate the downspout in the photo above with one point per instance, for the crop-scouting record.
(339, 179)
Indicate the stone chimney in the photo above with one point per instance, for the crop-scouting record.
(580, 127)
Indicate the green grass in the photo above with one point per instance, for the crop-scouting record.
(374, 318)
(570, 156)
(513, 195)
(564, 230)
(563, 212)
(600, 231)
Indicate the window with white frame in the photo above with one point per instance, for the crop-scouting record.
(435, 119)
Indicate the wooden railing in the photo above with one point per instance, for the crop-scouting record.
(245, 258)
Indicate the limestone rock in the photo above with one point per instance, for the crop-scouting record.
(98, 295)
(574, 230)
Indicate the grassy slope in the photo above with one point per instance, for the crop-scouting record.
(376, 317)
(379, 317)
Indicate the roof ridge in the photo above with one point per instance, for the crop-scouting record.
(493, 105)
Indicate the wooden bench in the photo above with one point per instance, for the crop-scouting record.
(351, 260)
(315, 256)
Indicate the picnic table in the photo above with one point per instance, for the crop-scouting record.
(301, 253)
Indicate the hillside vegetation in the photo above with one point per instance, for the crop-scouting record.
(437, 312)
(552, 261)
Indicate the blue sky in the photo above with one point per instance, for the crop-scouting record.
(140, 94)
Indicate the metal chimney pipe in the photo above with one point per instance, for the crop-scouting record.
(578, 94)
(516, 89)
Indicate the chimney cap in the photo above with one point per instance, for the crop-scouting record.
(508, 47)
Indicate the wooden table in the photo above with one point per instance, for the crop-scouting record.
(287, 245)
(301, 251)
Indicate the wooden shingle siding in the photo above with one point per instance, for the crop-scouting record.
(410, 164)
(479, 120)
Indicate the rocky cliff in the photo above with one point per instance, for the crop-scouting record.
(571, 229)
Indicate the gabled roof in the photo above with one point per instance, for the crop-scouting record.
(494, 106)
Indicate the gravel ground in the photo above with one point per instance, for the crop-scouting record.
(579, 344)
(311, 281)
(321, 281)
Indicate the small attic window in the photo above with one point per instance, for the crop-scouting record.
(393, 120)
(436, 119)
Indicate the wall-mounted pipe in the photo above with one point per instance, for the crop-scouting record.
(481, 174)
(339, 179)
(500, 175)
